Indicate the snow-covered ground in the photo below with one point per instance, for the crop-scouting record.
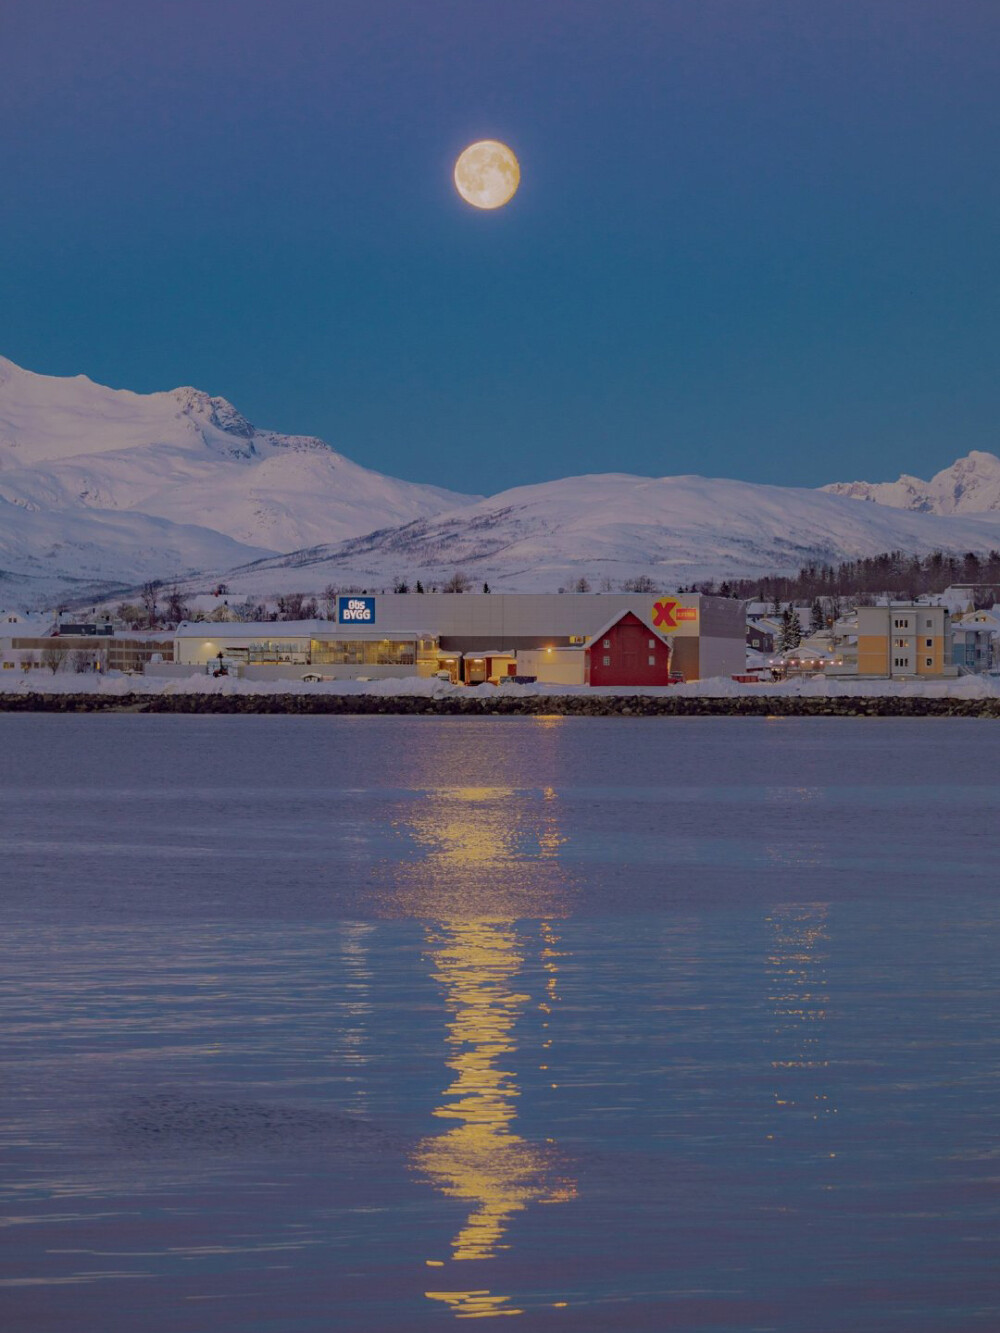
(117, 683)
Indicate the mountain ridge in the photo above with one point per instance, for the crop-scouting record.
(107, 486)
(970, 485)
(186, 458)
(614, 526)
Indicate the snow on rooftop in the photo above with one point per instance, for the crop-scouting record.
(284, 629)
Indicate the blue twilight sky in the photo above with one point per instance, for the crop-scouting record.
(754, 238)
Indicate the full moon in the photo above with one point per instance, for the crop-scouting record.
(487, 174)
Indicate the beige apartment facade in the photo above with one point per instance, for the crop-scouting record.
(904, 640)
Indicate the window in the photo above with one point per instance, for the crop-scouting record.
(901, 661)
(928, 661)
(8, 666)
(362, 652)
(607, 660)
(928, 623)
(607, 643)
(899, 643)
(652, 660)
(652, 643)
(928, 643)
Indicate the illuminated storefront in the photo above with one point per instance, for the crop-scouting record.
(265, 650)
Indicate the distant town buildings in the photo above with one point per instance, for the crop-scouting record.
(638, 638)
(479, 637)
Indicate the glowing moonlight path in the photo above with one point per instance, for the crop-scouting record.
(487, 174)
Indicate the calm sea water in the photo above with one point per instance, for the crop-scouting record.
(379, 1023)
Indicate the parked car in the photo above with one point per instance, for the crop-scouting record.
(313, 675)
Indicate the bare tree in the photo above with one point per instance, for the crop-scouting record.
(81, 661)
(252, 609)
(329, 597)
(176, 606)
(581, 585)
(150, 599)
(293, 606)
(458, 582)
(54, 655)
(641, 583)
(129, 613)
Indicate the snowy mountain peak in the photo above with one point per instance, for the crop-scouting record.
(69, 446)
(971, 485)
(219, 412)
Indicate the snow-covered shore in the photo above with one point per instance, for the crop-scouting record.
(964, 688)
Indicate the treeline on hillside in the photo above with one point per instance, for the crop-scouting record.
(906, 576)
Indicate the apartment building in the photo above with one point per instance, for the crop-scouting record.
(904, 639)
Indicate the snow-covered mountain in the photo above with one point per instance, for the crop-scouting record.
(76, 458)
(48, 555)
(970, 486)
(675, 529)
(101, 488)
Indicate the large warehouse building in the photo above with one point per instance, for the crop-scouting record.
(474, 637)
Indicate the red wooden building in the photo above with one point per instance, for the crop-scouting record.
(627, 651)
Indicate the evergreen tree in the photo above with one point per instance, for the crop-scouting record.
(789, 635)
(817, 620)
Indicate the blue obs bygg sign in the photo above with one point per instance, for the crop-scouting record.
(356, 610)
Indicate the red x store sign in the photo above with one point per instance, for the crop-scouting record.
(668, 614)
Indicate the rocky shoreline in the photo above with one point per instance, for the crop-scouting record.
(475, 705)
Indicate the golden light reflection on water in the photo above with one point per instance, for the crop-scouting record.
(487, 857)
(799, 995)
(474, 1304)
(481, 1160)
(485, 852)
